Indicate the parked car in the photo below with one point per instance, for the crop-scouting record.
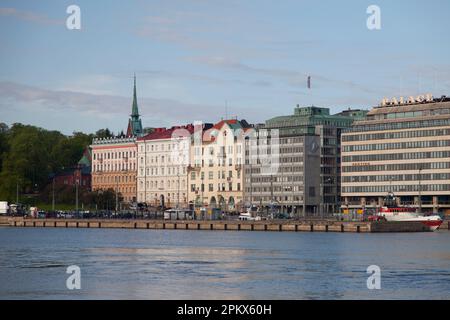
(41, 214)
(282, 215)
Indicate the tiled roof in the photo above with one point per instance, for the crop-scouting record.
(164, 133)
(234, 124)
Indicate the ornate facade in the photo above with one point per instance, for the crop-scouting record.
(216, 177)
(114, 159)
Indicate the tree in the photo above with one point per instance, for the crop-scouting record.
(103, 133)
(28, 155)
(3, 141)
(148, 130)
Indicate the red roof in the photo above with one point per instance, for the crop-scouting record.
(220, 124)
(164, 133)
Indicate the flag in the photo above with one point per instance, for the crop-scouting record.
(309, 82)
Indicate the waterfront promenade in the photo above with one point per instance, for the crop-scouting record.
(224, 225)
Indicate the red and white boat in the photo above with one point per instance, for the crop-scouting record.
(392, 212)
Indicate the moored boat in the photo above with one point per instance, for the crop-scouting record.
(393, 212)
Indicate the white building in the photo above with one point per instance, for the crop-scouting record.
(216, 171)
(163, 159)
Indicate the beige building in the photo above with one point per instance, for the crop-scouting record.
(114, 166)
(216, 170)
(114, 163)
(403, 147)
(163, 159)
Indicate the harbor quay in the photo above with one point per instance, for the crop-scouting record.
(304, 225)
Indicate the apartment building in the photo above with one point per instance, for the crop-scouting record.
(216, 172)
(114, 166)
(163, 160)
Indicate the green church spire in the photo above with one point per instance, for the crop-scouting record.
(134, 111)
(134, 124)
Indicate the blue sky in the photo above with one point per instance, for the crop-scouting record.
(195, 57)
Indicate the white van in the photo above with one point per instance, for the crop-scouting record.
(4, 208)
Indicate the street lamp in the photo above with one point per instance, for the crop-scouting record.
(76, 195)
(53, 193)
(420, 190)
(117, 194)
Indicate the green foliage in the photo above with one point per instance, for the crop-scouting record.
(148, 130)
(28, 155)
(103, 133)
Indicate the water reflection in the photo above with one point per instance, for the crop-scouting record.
(158, 264)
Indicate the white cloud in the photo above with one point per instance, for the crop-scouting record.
(30, 16)
(156, 112)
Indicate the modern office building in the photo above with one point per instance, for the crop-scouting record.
(402, 147)
(163, 159)
(282, 171)
(318, 121)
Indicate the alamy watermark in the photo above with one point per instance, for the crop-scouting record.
(73, 21)
(374, 280)
(374, 20)
(226, 147)
(73, 282)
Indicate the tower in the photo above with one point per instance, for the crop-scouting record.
(134, 123)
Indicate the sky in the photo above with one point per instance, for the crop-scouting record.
(207, 59)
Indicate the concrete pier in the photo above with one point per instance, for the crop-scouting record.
(224, 225)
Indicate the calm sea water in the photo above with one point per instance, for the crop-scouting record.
(163, 264)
